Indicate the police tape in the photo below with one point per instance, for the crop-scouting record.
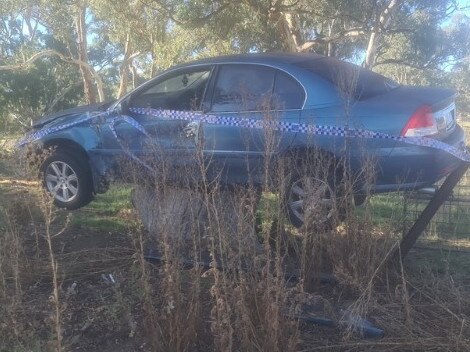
(35, 136)
(283, 126)
(280, 126)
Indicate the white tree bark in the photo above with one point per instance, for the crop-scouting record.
(124, 69)
(80, 26)
(381, 25)
(292, 31)
(289, 27)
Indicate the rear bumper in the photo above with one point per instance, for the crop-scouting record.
(412, 167)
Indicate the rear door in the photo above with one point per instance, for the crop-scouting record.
(251, 97)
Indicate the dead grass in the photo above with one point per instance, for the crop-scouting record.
(91, 289)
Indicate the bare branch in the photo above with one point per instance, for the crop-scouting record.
(353, 32)
(30, 61)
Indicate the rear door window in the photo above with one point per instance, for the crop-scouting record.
(350, 80)
(243, 88)
(288, 93)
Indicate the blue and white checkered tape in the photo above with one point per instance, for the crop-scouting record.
(280, 126)
(47, 131)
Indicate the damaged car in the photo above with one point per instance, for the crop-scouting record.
(174, 110)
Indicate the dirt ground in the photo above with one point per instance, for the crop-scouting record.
(100, 290)
(94, 319)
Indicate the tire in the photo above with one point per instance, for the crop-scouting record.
(315, 193)
(317, 188)
(68, 179)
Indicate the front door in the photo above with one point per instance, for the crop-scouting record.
(165, 136)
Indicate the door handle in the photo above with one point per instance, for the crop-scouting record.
(191, 130)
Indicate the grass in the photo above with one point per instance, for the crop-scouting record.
(384, 208)
(465, 124)
(108, 212)
(15, 192)
(440, 261)
(100, 313)
(451, 222)
(5, 163)
(4, 167)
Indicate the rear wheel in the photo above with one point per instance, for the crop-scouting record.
(68, 180)
(312, 200)
(313, 191)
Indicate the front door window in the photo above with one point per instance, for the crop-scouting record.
(180, 91)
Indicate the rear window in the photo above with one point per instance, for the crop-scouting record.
(352, 81)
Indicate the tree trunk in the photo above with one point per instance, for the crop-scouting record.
(331, 46)
(134, 76)
(382, 24)
(82, 47)
(290, 33)
(288, 29)
(124, 69)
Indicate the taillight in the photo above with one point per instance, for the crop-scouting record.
(421, 124)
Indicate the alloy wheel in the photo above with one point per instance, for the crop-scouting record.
(313, 198)
(61, 181)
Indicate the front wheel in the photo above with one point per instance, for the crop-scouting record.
(68, 180)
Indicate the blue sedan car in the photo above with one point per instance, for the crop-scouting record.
(308, 103)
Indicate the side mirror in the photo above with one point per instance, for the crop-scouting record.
(122, 107)
(205, 107)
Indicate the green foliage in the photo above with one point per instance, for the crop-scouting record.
(425, 42)
(460, 79)
(30, 93)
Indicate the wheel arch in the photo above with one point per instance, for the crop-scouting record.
(67, 145)
(339, 163)
(299, 155)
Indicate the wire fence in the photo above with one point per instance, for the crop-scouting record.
(453, 218)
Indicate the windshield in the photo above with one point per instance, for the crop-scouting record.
(352, 81)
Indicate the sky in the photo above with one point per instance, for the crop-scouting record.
(464, 3)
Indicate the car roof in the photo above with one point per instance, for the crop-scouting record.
(264, 58)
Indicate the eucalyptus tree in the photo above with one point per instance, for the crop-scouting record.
(136, 31)
(29, 86)
(112, 45)
(67, 23)
(341, 28)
